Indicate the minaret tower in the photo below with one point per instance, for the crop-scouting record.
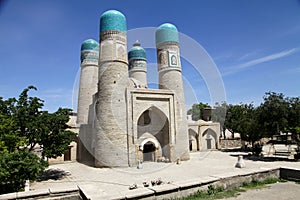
(137, 64)
(88, 79)
(170, 78)
(111, 127)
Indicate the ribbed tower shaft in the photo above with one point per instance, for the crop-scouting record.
(111, 135)
(87, 91)
(170, 78)
(88, 79)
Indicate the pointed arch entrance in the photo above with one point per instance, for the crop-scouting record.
(193, 140)
(149, 152)
(209, 139)
(154, 122)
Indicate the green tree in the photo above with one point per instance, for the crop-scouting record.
(197, 110)
(280, 114)
(27, 123)
(28, 115)
(9, 133)
(233, 118)
(24, 126)
(275, 113)
(219, 115)
(17, 167)
(244, 119)
(249, 126)
(294, 119)
(55, 138)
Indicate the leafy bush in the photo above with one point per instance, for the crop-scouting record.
(17, 167)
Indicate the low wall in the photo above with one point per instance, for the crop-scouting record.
(171, 190)
(62, 194)
(230, 143)
(186, 188)
(292, 174)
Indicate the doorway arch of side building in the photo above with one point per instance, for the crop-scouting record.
(209, 140)
(193, 140)
(153, 134)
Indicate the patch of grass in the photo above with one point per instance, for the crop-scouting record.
(213, 193)
(261, 184)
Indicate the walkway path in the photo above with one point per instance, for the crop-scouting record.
(106, 183)
(281, 191)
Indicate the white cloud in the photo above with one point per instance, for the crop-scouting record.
(257, 61)
(249, 55)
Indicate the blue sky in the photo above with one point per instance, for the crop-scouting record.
(255, 44)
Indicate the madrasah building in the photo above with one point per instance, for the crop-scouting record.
(121, 121)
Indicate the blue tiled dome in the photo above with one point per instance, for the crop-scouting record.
(112, 20)
(166, 33)
(137, 52)
(90, 44)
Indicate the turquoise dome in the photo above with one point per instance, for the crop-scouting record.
(112, 20)
(166, 33)
(90, 45)
(137, 52)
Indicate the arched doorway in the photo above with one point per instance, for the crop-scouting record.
(209, 139)
(208, 142)
(149, 152)
(193, 140)
(156, 123)
(67, 154)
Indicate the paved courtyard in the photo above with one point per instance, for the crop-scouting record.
(106, 183)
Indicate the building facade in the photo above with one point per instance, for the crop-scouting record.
(121, 120)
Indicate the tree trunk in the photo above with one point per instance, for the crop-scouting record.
(224, 135)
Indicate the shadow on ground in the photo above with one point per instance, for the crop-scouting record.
(248, 155)
(252, 157)
(53, 174)
(238, 149)
(267, 159)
